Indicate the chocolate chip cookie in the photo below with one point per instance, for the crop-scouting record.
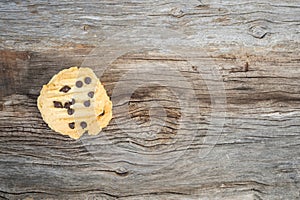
(75, 102)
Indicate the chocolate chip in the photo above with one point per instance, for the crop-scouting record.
(65, 89)
(79, 84)
(72, 125)
(101, 114)
(83, 125)
(87, 103)
(87, 80)
(57, 104)
(71, 111)
(67, 104)
(91, 94)
(73, 101)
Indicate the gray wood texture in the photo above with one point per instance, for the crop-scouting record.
(253, 46)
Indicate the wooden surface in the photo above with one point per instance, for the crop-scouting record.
(252, 46)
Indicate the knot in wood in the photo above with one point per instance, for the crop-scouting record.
(177, 12)
(122, 171)
(258, 31)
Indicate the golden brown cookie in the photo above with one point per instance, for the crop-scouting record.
(75, 102)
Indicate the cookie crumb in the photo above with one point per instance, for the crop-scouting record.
(246, 67)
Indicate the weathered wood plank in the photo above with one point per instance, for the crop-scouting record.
(253, 45)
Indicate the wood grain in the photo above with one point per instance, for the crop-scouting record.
(253, 45)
